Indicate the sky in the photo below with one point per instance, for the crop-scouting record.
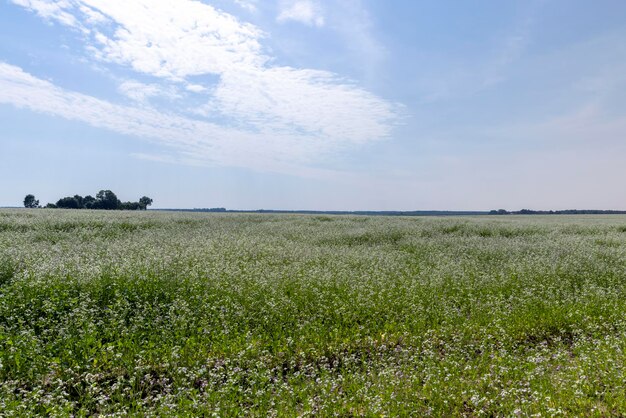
(316, 104)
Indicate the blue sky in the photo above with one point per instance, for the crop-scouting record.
(316, 104)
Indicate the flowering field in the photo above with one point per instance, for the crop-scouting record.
(298, 315)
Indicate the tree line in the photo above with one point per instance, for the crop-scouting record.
(557, 212)
(104, 200)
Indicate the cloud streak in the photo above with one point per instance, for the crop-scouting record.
(142, 93)
(195, 142)
(307, 12)
(296, 114)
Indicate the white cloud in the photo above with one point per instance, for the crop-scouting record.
(195, 142)
(51, 10)
(195, 88)
(178, 39)
(305, 110)
(249, 5)
(304, 11)
(26, 91)
(92, 15)
(162, 38)
(141, 92)
(311, 102)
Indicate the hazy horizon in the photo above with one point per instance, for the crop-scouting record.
(349, 105)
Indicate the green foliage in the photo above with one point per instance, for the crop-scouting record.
(30, 201)
(199, 314)
(88, 201)
(144, 202)
(131, 206)
(7, 270)
(68, 203)
(105, 199)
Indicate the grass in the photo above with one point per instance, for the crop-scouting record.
(160, 314)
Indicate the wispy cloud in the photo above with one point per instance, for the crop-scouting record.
(52, 10)
(314, 103)
(308, 12)
(194, 142)
(249, 5)
(141, 92)
(287, 112)
(353, 22)
(172, 39)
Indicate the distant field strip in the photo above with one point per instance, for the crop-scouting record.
(198, 314)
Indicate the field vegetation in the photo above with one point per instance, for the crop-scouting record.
(198, 314)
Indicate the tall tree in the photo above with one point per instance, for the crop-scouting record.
(106, 199)
(144, 202)
(30, 201)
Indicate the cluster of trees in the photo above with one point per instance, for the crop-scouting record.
(105, 199)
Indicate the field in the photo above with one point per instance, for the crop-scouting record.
(154, 313)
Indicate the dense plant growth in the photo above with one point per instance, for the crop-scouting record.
(141, 313)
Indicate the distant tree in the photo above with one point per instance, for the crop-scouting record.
(68, 202)
(88, 201)
(106, 199)
(144, 202)
(50, 206)
(131, 206)
(80, 200)
(30, 201)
